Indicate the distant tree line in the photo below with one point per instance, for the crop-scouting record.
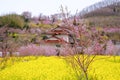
(106, 7)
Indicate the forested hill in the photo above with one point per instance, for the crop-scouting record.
(105, 13)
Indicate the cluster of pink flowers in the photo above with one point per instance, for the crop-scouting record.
(43, 50)
(47, 22)
(108, 29)
(110, 48)
(36, 50)
(97, 48)
(112, 29)
(66, 51)
(106, 49)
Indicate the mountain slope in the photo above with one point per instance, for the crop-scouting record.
(106, 13)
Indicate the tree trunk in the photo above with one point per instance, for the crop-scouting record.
(86, 75)
(4, 53)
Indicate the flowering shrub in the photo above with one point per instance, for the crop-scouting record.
(112, 30)
(66, 51)
(110, 48)
(28, 50)
(43, 50)
(48, 50)
(36, 50)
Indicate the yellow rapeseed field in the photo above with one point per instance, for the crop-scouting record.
(56, 68)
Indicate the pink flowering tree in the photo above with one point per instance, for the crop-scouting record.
(8, 40)
(87, 43)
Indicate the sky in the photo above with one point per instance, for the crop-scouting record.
(46, 7)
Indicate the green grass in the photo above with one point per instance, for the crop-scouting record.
(56, 68)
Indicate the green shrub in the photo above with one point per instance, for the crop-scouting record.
(12, 20)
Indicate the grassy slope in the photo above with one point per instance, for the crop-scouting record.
(104, 21)
(55, 68)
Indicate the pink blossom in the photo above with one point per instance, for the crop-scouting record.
(110, 49)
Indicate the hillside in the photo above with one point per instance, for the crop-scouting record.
(105, 13)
